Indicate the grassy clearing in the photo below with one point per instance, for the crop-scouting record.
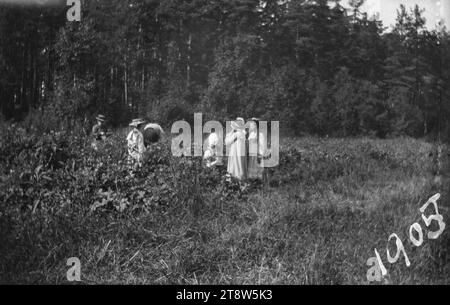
(331, 202)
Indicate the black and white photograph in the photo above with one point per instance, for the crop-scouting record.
(225, 143)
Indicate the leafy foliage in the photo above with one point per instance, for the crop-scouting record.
(315, 66)
(60, 198)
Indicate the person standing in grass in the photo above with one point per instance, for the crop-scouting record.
(98, 131)
(257, 146)
(237, 165)
(211, 154)
(135, 141)
(153, 133)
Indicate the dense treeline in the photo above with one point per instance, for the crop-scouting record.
(313, 65)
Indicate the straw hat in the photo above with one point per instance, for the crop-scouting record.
(100, 117)
(137, 122)
(154, 126)
(238, 124)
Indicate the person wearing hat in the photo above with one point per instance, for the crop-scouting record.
(257, 145)
(135, 141)
(98, 131)
(152, 133)
(237, 165)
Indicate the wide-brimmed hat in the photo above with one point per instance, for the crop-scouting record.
(100, 117)
(154, 126)
(254, 121)
(238, 124)
(137, 122)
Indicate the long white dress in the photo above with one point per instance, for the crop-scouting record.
(211, 153)
(256, 151)
(237, 160)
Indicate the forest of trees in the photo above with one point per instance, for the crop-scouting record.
(315, 66)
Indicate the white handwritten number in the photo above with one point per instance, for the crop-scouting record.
(74, 12)
(418, 229)
(400, 248)
(377, 269)
(438, 217)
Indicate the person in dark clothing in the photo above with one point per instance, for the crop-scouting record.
(98, 131)
(152, 133)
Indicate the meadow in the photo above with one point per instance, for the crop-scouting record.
(328, 204)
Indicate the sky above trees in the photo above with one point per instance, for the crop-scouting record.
(387, 10)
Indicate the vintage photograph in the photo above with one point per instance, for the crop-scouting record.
(224, 142)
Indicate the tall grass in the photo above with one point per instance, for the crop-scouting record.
(329, 204)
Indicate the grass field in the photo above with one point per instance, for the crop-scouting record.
(329, 204)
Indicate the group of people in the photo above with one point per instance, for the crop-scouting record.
(246, 144)
(139, 139)
(246, 150)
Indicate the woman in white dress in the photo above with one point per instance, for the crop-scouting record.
(237, 160)
(211, 155)
(257, 146)
(135, 141)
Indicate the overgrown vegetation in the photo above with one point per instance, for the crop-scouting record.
(329, 204)
(314, 66)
